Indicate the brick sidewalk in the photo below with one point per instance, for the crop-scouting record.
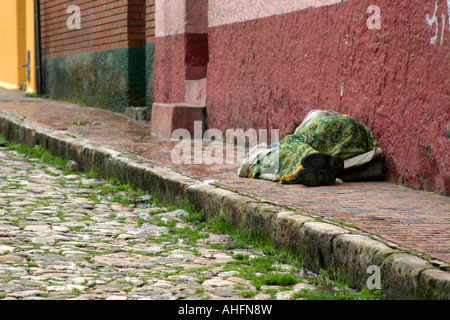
(409, 218)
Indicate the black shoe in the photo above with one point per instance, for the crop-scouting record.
(319, 161)
(316, 178)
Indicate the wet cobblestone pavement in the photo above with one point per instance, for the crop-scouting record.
(62, 238)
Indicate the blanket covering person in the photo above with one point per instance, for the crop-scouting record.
(328, 133)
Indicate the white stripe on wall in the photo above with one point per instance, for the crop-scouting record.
(222, 12)
(171, 14)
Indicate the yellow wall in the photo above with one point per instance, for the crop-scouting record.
(16, 38)
(31, 85)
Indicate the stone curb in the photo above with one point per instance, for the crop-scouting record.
(323, 245)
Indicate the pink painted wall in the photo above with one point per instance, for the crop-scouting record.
(267, 69)
(181, 47)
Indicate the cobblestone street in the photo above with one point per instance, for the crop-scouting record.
(63, 237)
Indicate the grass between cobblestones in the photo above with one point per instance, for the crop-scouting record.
(267, 269)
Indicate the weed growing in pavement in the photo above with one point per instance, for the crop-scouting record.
(37, 152)
(365, 294)
(267, 269)
(37, 95)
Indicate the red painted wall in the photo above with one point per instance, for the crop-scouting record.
(170, 73)
(270, 72)
(179, 58)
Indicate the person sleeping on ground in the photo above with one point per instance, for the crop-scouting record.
(326, 146)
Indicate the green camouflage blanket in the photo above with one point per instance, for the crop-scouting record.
(340, 135)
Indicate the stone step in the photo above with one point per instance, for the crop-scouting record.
(168, 117)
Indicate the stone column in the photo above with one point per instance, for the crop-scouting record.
(181, 58)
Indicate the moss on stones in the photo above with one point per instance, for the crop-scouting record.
(114, 79)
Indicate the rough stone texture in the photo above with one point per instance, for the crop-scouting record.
(316, 240)
(434, 284)
(270, 72)
(72, 166)
(166, 118)
(286, 229)
(400, 275)
(139, 114)
(238, 210)
(258, 217)
(353, 254)
(210, 199)
(71, 244)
